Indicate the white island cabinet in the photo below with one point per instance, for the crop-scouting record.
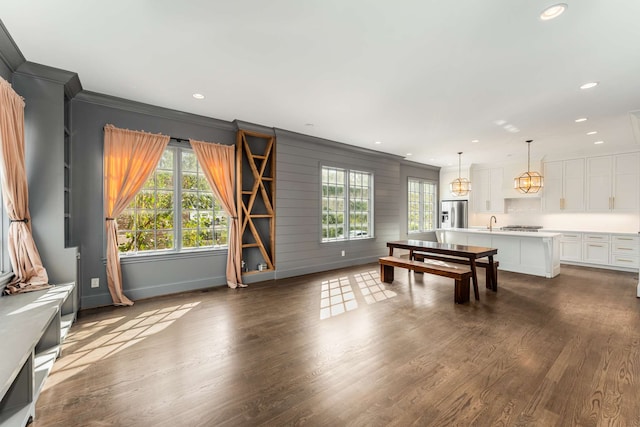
(518, 251)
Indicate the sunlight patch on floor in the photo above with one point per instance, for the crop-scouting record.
(372, 288)
(91, 342)
(336, 297)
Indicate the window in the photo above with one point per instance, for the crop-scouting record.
(347, 204)
(154, 222)
(421, 206)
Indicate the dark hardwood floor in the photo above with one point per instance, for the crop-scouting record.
(340, 348)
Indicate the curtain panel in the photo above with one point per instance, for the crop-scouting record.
(218, 164)
(29, 273)
(129, 159)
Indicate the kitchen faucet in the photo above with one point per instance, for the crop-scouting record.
(495, 220)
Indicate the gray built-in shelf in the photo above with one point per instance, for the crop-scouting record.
(32, 326)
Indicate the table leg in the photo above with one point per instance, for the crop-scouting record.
(390, 250)
(474, 277)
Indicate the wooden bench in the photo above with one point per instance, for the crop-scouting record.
(419, 256)
(461, 275)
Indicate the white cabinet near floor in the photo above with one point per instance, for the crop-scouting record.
(617, 251)
(595, 248)
(487, 195)
(625, 251)
(613, 183)
(571, 247)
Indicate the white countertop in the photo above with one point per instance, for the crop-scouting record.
(497, 231)
(621, 233)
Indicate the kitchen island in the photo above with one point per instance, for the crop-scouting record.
(535, 253)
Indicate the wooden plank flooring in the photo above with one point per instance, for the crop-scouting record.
(341, 348)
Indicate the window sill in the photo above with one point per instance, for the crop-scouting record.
(165, 256)
(355, 239)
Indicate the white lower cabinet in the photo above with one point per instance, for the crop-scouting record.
(625, 251)
(618, 251)
(571, 247)
(595, 253)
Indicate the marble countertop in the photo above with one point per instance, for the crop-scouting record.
(497, 231)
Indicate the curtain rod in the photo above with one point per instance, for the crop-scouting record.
(179, 139)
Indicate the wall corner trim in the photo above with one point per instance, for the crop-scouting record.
(10, 54)
(68, 79)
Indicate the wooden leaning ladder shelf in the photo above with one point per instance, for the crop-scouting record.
(255, 197)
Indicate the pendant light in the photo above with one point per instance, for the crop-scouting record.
(528, 182)
(460, 186)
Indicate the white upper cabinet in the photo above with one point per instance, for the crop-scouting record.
(626, 182)
(564, 186)
(613, 183)
(487, 194)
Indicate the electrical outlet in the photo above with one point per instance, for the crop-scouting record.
(342, 253)
(95, 282)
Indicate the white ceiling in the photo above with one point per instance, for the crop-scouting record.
(420, 76)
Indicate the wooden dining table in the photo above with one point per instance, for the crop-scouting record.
(468, 253)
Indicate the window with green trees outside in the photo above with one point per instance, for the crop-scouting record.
(347, 204)
(422, 205)
(154, 222)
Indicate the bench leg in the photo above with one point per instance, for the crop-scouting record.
(386, 273)
(461, 293)
(495, 278)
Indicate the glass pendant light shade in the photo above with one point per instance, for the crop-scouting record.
(528, 182)
(460, 186)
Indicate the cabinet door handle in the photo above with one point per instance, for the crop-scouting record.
(624, 238)
(596, 246)
(613, 203)
(624, 260)
(562, 203)
(625, 249)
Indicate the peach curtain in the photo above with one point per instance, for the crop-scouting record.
(29, 274)
(129, 158)
(218, 163)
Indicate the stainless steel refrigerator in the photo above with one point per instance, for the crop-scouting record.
(454, 214)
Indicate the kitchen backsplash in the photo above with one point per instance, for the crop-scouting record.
(579, 221)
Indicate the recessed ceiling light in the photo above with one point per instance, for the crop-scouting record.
(378, 142)
(581, 119)
(553, 11)
(599, 142)
(589, 85)
(593, 132)
(198, 96)
(409, 154)
(475, 140)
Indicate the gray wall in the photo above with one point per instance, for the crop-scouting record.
(146, 276)
(298, 246)
(416, 170)
(44, 157)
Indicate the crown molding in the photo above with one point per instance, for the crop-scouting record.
(152, 110)
(317, 140)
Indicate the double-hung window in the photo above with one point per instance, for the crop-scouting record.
(421, 205)
(347, 204)
(175, 210)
